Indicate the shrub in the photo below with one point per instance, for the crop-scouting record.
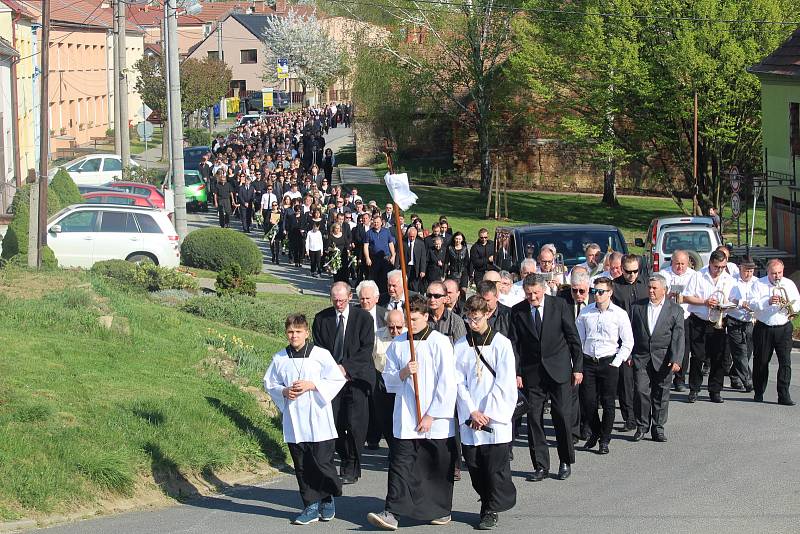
(16, 239)
(65, 189)
(118, 269)
(196, 136)
(217, 248)
(154, 278)
(238, 310)
(232, 281)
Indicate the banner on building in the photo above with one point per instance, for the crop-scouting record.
(282, 68)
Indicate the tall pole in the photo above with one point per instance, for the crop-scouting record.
(166, 143)
(176, 118)
(695, 199)
(44, 148)
(115, 75)
(122, 86)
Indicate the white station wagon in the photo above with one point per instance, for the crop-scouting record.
(94, 169)
(83, 234)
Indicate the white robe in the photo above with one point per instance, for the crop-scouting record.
(495, 397)
(437, 386)
(309, 417)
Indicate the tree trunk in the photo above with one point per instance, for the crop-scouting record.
(484, 149)
(610, 187)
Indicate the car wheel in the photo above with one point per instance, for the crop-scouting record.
(141, 257)
(204, 206)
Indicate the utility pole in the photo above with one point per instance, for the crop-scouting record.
(39, 229)
(175, 117)
(116, 74)
(122, 86)
(222, 104)
(166, 143)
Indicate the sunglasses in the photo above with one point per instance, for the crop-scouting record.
(435, 295)
(631, 272)
(595, 291)
(579, 291)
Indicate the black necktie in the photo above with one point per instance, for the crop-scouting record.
(338, 344)
(537, 321)
(578, 306)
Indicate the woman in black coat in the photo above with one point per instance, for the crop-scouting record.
(437, 261)
(294, 229)
(458, 261)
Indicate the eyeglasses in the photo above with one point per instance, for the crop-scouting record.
(596, 291)
(474, 320)
(435, 295)
(631, 272)
(578, 291)
(545, 262)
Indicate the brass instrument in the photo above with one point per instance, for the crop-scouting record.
(716, 314)
(784, 302)
(559, 267)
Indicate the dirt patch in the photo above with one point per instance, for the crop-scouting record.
(21, 284)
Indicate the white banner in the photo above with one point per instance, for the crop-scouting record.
(400, 190)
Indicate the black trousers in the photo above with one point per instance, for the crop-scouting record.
(652, 394)
(351, 413)
(315, 472)
(680, 376)
(538, 389)
(576, 411)
(766, 340)
(708, 345)
(420, 482)
(490, 472)
(315, 257)
(246, 217)
(224, 213)
(625, 388)
(599, 388)
(381, 412)
(378, 271)
(740, 342)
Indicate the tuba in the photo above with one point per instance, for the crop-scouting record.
(716, 314)
(784, 302)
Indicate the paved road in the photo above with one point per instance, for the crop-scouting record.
(726, 468)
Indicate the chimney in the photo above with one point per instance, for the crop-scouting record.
(280, 6)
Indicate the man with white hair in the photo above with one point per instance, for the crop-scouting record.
(395, 296)
(368, 296)
(528, 266)
(593, 255)
(506, 290)
(382, 406)
(678, 276)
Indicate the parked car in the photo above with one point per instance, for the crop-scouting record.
(193, 155)
(697, 235)
(250, 117)
(94, 169)
(569, 240)
(93, 189)
(83, 234)
(280, 101)
(150, 191)
(194, 190)
(122, 198)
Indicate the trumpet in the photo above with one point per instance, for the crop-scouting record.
(716, 314)
(784, 302)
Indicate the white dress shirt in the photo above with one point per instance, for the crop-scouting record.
(606, 333)
(514, 296)
(314, 241)
(680, 281)
(770, 314)
(653, 313)
(743, 292)
(702, 286)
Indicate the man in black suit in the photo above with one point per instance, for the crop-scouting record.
(416, 256)
(549, 362)
(578, 297)
(349, 334)
(658, 343)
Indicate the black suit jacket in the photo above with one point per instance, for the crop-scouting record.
(380, 314)
(566, 294)
(558, 352)
(500, 320)
(359, 338)
(667, 340)
(420, 253)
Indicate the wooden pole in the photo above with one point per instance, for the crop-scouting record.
(44, 133)
(407, 308)
(505, 192)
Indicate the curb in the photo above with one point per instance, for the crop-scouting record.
(16, 526)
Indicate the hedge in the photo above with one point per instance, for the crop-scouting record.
(146, 275)
(65, 189)
(217, 248)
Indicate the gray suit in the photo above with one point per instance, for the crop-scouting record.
(652, 355)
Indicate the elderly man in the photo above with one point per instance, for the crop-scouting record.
(383, 401)
(657, 353)
(527, 267)
(368, 296)
(416, 257)
(612, 268)
(594, 256)
(547, 268)
(395, 297)
(506, 290)
(678, 276)
(348, 334)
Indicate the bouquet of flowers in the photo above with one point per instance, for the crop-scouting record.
(335, 261)
(353, 262)
(258, 218)
(285, 244)
(272, 234)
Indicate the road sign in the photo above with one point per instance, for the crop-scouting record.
(282, 68)
(736, 179)
(143, 112)
(145, 131)
(736, 204)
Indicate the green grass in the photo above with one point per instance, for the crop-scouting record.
(138, 146)
(346, 155)
(464, 210)
(264, 278)
(86, 411)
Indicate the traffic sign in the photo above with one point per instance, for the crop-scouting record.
(735, 178)
(145, 131)
(736, 204)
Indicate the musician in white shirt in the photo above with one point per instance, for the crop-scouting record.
(773, 331)
(740, 326)
(678, 275)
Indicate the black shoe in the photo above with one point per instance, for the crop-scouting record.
(564, 471)
(758, 397)
(373, 446)
(488, 521)
(692, 397)
(786, 402)
(639, 436)
(748, 387)
(680, 387)
(575, 440)
(538, 475)
(603, 448)
(737, 385)
(591, 442)
(659, 437)
(629, 425)
(348, 480)
(716, 397)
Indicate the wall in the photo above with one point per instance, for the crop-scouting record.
(235, 38)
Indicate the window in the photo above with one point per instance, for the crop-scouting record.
(147, 224)
(213, 54)
(794, 128)
(118, 221)
(91, 165)
(569, 243)
(122, 201)
(191, 179)
(82, 221)
(697, 240)
(249, 56)
(142, 191)
(112, 164)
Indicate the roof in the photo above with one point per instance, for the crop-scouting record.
(783, 61)
(18, 7)
(6, 49)
(90, 14)
(255, 24)
(154, 47)
(559, 227)
(151, 15)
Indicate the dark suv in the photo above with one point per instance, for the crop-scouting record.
(569, 240)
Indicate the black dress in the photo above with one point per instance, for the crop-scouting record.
(437, 262)
(343, 244)
(458, 265)
(294, 228)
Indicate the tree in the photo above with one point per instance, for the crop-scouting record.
(314, 58)
(618, 77)
(151, 86)
(203, 83)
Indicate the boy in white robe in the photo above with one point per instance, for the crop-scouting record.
(302, 381)
(487, 397)
(423, 453)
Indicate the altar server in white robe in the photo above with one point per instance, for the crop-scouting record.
(423, 454)
(302, 381)
(487, 397)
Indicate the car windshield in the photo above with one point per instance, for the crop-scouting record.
(697, 240)
(191, 178)
(570, 243)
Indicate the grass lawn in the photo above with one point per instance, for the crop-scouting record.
(265, 278)
(138, 146)
(464, 210)
(86, 411)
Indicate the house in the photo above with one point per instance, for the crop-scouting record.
(8, 55)
(779, 74)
